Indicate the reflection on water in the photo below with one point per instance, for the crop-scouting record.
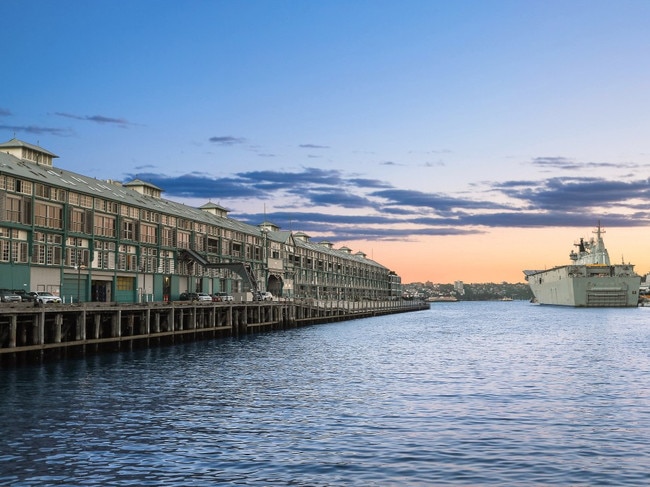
(500, 393)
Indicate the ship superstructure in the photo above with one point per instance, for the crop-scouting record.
(591, 280)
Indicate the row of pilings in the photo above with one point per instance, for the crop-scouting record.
(31, 334)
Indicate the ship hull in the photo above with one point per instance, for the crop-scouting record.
(590, 286)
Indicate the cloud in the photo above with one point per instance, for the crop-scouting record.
(33, 129)
(316, 186)
(435, 151)
(433, 201)
(555, 163)
(313, 146)
(226, 140)
(316, 217)
(551, 219)
(369, 183)
(199, 185)
(4, 112)
(328, 196)
(576, 194)
(568, 164)
(308, 177)
(339, 206)
(101, 119)
(350, 227)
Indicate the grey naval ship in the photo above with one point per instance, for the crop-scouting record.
(589, 281)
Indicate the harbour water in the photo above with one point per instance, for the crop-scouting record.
(485, 393)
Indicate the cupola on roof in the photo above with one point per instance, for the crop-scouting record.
(28, 152)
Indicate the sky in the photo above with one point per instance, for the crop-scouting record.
(448, 140)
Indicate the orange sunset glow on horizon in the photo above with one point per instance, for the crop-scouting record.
(499, 255)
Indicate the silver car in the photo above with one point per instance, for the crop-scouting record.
(7, 296)
(43, 297)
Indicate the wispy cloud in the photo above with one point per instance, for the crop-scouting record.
(226, 140)
(555, 162)
(4, 112)
(313, 146)
(101, 119)
(35, 129)
(434, 151)
(569, 164)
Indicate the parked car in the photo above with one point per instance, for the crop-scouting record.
(24, 295)
(262, 296)
(7, 296)
(188, 297)
(221, 296)
(43, 297)
(195, 297)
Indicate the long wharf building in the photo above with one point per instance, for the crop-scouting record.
(92, 240)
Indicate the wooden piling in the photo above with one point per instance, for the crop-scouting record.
(27, 332)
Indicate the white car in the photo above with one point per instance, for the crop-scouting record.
(203, 297)
(266, 296)
(221, 296)
(46, 298)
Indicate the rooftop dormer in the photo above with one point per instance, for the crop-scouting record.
(215, 209)
(144, 188)
(28, 152)
(301, 236)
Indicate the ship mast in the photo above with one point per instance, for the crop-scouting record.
(599, 252)
(592, 252)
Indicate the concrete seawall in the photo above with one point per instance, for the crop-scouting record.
(30, 334)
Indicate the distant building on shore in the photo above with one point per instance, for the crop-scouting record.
(459, 287)
(92, 240)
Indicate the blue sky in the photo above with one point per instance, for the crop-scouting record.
(357, 121)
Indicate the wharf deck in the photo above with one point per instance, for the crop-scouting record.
(32, 334)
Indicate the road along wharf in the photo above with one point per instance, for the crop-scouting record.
(30, 334)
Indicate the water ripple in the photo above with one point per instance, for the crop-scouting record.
(462, 394)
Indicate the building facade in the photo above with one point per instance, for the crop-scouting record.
(91, 240)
